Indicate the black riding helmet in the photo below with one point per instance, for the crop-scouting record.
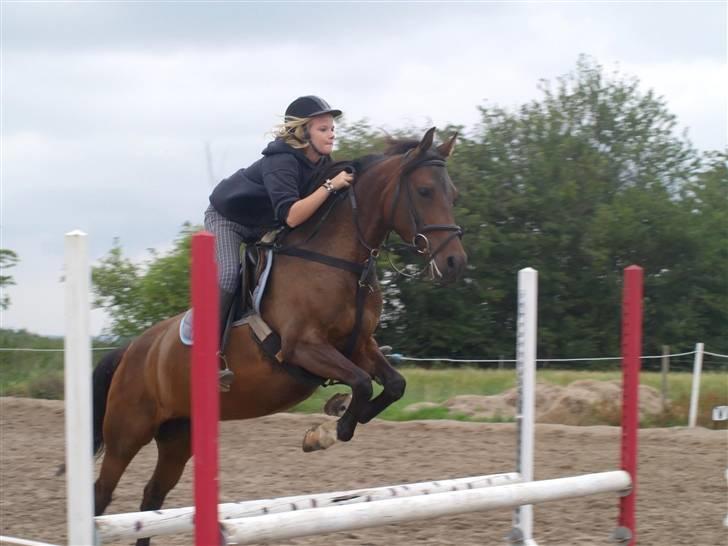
(310, 106)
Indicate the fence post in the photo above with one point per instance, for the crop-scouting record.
(204, 388)
(77, 392)
(626, 533)
(695, 392)
(522, 531)
(665, 371)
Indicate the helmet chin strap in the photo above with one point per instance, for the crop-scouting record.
(315, 149)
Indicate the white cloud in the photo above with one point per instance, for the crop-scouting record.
(696, 92)
(107, 107)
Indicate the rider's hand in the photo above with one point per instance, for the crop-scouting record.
(342, 180)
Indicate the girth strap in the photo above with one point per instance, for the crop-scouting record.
(297, 252)
(362, 290)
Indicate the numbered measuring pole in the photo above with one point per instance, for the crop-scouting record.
(522, 531)
(205, 397)
(720, 413)
(632, 294)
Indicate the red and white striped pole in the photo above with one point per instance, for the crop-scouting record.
(204, 387)
(631, 354)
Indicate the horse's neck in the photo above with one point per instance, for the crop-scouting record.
(372, 192)
(338, 235)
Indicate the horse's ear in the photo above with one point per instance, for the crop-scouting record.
(445, 149)
(426, 142)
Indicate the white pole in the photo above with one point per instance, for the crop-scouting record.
(522, 531)
(181, 520)
(278, 527)
(12, 541)
(77, 366)
(695, 393)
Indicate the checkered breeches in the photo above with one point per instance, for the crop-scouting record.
(229, 236)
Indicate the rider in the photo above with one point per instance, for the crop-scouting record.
(270, 192)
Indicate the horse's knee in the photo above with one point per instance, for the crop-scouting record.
(362, 389)
(396, 387)
(153, 496)
(102, 499)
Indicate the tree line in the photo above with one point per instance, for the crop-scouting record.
(585, 180)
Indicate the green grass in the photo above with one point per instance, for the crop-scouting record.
(439, 385)
(40, 375)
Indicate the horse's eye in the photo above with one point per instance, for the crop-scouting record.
(424, 192)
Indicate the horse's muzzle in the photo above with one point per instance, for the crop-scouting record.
(451, 266)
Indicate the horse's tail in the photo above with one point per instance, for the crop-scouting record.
(103, 373)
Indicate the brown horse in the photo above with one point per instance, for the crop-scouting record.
(142, 391)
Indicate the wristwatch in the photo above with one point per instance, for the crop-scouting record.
(329, 186)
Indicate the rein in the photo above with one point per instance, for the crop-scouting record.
(367, 270)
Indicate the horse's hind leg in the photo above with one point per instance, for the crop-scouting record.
(173, 451)
(121, 447)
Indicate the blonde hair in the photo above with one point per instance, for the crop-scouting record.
(293, 132)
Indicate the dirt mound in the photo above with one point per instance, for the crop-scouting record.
(588, 402)
(584, 402)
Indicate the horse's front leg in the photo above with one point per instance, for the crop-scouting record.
(393, 384)
(325, 361)
(371, 358)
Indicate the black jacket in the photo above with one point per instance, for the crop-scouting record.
(262, 194)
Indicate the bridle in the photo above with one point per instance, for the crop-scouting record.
(367, 271)
(420, 242)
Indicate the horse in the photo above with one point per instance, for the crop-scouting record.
(142, 391)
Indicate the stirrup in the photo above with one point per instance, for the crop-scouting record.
(225, 376)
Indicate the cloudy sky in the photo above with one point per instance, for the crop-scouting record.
(107, 107)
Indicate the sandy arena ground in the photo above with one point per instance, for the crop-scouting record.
(681, 500)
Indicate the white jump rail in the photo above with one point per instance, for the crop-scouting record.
(316, 521)
(12, 541)
(181, 520)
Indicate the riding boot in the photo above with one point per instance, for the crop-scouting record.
(226, 375)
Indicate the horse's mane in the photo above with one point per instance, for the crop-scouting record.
(395, 146)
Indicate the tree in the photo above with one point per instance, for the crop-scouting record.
(8, 259)
(577, 184)
(587, 179)
(137, 296)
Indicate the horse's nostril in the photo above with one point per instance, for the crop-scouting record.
(451, 262)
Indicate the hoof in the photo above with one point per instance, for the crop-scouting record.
(320, 437)
(337, 404)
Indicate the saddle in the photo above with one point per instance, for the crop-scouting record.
(255, 267)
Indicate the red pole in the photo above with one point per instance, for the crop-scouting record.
(631, 353)
(204, 387)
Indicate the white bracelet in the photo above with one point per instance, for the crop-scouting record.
(329, 186)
